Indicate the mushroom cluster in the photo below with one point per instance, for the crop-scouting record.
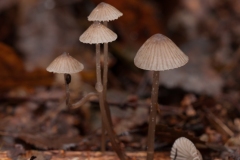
(157, 54)
(98, 33)
(104, 12)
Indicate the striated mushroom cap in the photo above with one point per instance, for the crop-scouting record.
(184, 149)
(97, 33)
(104, 12)
(159, 53)
(65, 64)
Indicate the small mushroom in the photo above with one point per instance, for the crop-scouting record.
(65, 64)
(184, 149)
(104, 12)
(157, 54)
(96, 34)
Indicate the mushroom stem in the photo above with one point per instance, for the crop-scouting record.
(99, 88)
(113, 139)
(103, 138)
(83, 100)
(106, 118)
(152, 116)
(105, 72)
(105, 80)
(105, 76)
(67, 78)
(105, 68)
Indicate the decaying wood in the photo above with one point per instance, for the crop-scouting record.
(69, 155)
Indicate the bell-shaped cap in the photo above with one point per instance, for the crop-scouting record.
(98, 33)
(184, 149)
(65, 64)
(104, 12)
(159, 53)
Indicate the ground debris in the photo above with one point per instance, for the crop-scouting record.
(76, 155)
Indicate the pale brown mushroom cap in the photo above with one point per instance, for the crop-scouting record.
(65, 64)
(104, 12)
(98, 33)
(159, 53)
(184, 149)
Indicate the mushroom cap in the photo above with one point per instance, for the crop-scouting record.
(184, 149)
(104, 12)
(65, 64)
(97, 33)
(159, 53)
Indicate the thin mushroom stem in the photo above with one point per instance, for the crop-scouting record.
(152, 116)
(105, 68)
(105, 72)
(83, 100)
(99, 88)
(112, 137)
(105, 80)
(103, 138)
(106, 119)
(67, 78)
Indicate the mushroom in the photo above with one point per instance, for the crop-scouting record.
(96, 34)
(183, 149)
(157, 54)
(104, 12)
(65, 64)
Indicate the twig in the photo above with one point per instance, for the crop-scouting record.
(223, 128)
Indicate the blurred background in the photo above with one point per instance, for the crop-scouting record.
(34, 32)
